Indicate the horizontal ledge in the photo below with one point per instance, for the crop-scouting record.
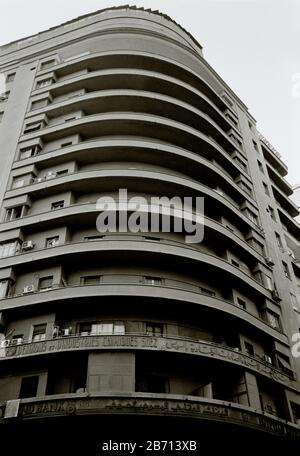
(146, 342)
(152, 404)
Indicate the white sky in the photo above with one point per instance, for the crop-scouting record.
(253, 44)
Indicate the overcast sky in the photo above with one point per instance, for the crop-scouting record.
(253, 44)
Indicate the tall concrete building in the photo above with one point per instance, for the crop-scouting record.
(123, 327)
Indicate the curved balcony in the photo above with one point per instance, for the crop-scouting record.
(173, 249)
(143, 102)
(132, 148)
(193, 167)
(220, 232)
(140, 61)
(186, 293)
(153, 405)
(128, 79)
(140, 342)
(133, 180)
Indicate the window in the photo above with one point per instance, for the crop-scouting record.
(154, 329)
(268, 282)
(62, 172)
(108, 328)
(266, 189)
(90, 280)
(52, 241)
(8, 248)
(28, 152)
(255, 145)
(236, 139)
(273, 319)
(249, 349)
(93, 238)
(69, 119)
(260, 167)
(17, 339)
(39, 332)
(240, 163)
(235, 263)
(252, 217)
(66, 144)
(14, 213)
(29, 386)
(153, 280)
(271, 212)
(1, 115)
(295, 302)
(207, 292)
(38, 104)
(33, 126)
(47, 64)
(278, 239)
(18, 182)
(57, 205)
(44, 83)
(286, 270)
(4, 288)
(10, 77)
(245, 187)
(241, 303)
(85, 328)
(45, 283)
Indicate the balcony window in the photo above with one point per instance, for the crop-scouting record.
(273, 319)
(45, 283)
(39, 332)
(9, 248)
(14, 213)
(48, 64)
(241, 303)
(251, 216)
(4, 288)
(44, 83)
(154, 329)
(29, 386)
(90, 280)
(207, 292)
(153, 280)
(57, 205)
(27, 152)
(249, 349)
(52, 241)
(279, 241)
(33, 126)
(18, 182)
(39, 104)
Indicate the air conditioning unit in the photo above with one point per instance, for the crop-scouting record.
(28, 289)
(268, 359)
(50, 175)
(27, 245)
(269, 261)
(17, 341)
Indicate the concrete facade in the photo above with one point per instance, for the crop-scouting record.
(123, 98)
